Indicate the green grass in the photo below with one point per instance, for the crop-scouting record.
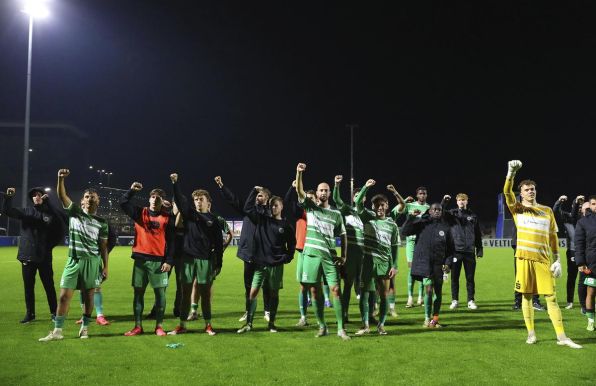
(486, 346)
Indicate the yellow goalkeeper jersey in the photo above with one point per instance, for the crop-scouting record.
(536, 228)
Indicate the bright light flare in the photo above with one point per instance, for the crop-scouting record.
(36, 8)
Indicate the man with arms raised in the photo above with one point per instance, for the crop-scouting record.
(319, 255)
(537, 241)
(87, 250)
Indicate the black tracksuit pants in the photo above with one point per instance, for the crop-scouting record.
(572, 277)
(46, 274)
(468, 261)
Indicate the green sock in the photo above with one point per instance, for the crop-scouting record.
(590, 314)
(59, 321)
(319, 312)
(383, 310)
(391, 298)
(160, 305)
(194, 307)
(363, 303)
(138, 304)
(86, 319)
(339, 315)
(251, 311)
(326, 292)
(302, 303)
(98, 302)
(428, 304)
(410, 283)
(372, 300)
(420, 289)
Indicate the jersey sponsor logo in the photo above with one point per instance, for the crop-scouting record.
(441, 233)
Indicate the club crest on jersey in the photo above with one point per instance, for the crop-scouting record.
(46, 219)
(281, 230)
(209, 223)
(469, 218)
(441, 233)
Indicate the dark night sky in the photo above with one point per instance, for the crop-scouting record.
(444, 95)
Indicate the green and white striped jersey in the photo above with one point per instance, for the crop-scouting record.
(409, 209)
(84, 232)
(322, 227)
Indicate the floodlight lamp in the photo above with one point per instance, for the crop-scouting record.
(36, 9)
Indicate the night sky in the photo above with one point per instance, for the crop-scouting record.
(444, 95)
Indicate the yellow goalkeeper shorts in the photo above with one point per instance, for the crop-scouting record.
(533, 277)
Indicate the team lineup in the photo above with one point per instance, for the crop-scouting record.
(184, 236)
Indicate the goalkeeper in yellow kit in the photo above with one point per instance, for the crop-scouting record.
(536, 242)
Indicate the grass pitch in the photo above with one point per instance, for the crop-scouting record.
(486, 346)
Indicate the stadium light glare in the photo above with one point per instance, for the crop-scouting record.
(36, 9)
(47, 190)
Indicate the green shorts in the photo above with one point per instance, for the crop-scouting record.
(353, 263)
(81, 274)
(372, 271)
(199, 269)
(590, 281)
(148, 272)
(427, 281)
(270, 278)
(410, 244)
(313, 267)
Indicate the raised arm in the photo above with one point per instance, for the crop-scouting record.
(512, 168)
(299, 184)
(336, 194)
(359, 201)
(131, 210)
(61, 189)
(250, 206)
(232, 200)
(7, 208)
(291, 203)
(181, 201)
(401, 203)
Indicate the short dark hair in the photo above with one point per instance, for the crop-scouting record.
(421, 188)
(158, 192)
(527, 183)
(378, 198)
(265, 191)
(310, 191)
(275, 199)
(592, 197)
(90, 191)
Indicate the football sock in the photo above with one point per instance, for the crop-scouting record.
(303, 302)
(383, 310)
(85, 318)
(194, 307)
(363, 303)
(391, 300)
(160, 305)
(554, 312)
(410, 283)
(138, 304)
(59, 321)
(590, 314)
(319, 311)
(98, 302)
(528, 312)
(339, 316)
(372, 300)
(427, 305)
(251, 311)
(326, 292)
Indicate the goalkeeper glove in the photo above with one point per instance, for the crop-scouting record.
(555, 268)
(513, 167)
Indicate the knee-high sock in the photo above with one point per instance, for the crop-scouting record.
(86, 319)
(345, 298)
(138, 304)
(391, 298)
(319, 310)
(410, 283)
(82, 300)
(160, 305)
(437, 304)
(372, 300)
(273, 305)
(420, 289)
(428, 305)
(554, 313)
(326, 292)
(98, 302)
(59, 321)
(339, 314)
(303, 302)
(363, 303)
(528, 312)
(590, 314)
(383, 309)
(252, 308)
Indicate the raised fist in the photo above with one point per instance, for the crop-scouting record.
(136, 186)
(258, 188)
(338, 179)
(416, 212)
(446, 197)
(370, 183)
(391, 188)
(63, 173)
(514, 166)
(174, 177)
(563, 198)
(301, 167)
(409, 199)
(10, 192)
(219, 181)
(580, 199)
